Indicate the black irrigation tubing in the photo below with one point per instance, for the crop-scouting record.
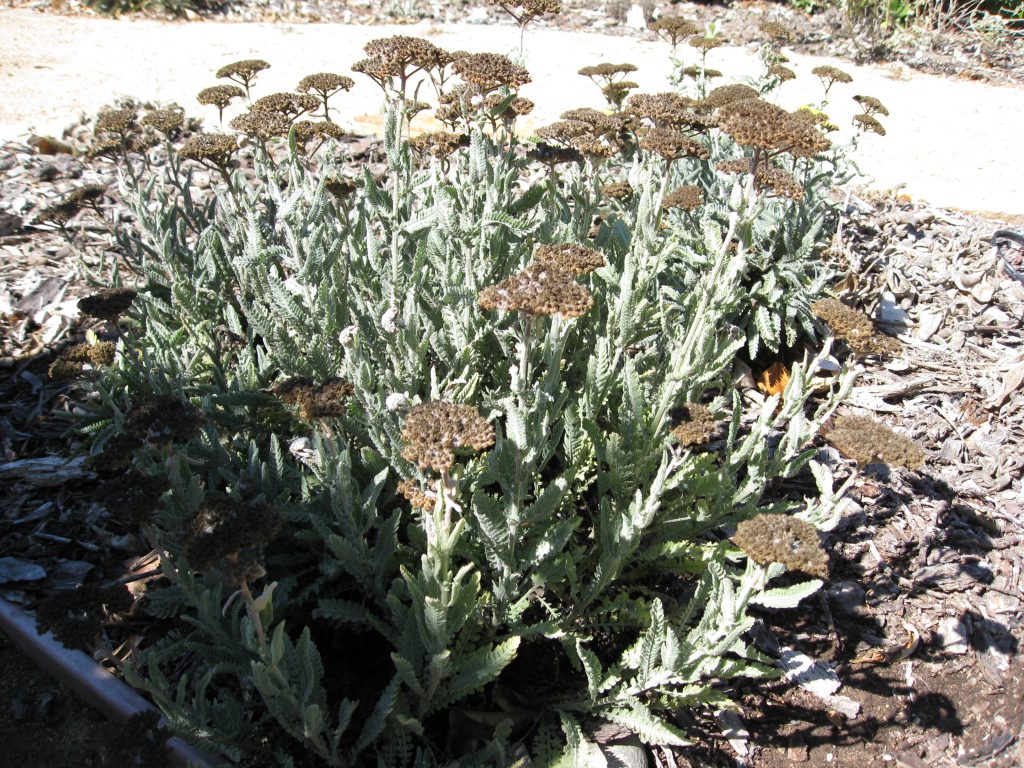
(87, 679)
(1002, 236)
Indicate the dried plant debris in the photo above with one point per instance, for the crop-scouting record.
(782, 539)
(855, 328)
(434, 432)
(696, 425)
(866, 441)
(76, 617)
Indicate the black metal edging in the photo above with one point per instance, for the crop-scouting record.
(87, 679)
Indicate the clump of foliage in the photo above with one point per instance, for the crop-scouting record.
(453, 454)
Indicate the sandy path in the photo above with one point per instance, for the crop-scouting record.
(948, 141)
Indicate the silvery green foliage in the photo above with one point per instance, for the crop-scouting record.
(545, 542)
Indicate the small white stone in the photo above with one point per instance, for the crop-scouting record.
(396, 401)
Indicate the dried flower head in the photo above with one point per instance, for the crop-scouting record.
(108, 146)
(108, 304)
(831, 75)
(782, 539)
(490, 71)
(325, 83)
(594, 148)
(220, 96)
(225, 535)
(260, 125)
(552, 154)
(779, 182)
(242, 72)
(606, 70)
(58, 214)
(290, 105)
(596, 121)
(76, 617)
(400, 56)
(164, 120)
(69, 364)
(777, 31)
(538, 290)
(618, 190)
(117, 455)
(563, 131)
(727, 94)
(696, 72)
(673, 28)
(418, 497)
(121, 121)
(214, 149)
(686, 198)
(867, 122)
(672, 144)
(756, 123)
(132, 497)
(570, 258)
(340, 186)
(866, 441)
(163, 419)
(434, 432)
(438, 144)
(871, 105)
(305, 130)
(855, 328)
(315, 401)
(696, 425)
(705, 44)
(781, 73)
(525, 11)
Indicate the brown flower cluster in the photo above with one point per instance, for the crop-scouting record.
(400, 56)
(76, 616)
(868, 122)
(434, 432)
(121, 121)
(261, 125)
(685, 198)
(108, 304)
(290, 105)
(325, 84)
(438, 144)
(162, 419)
(68, 365)
(673, 28)
(758, 124)
(132, 497)
(855, 328)
(866, 441)
(570, 258)
(538, 290)
(553, 154)
(490, 71)
(782, 539)
(164, 120)
(705, 44)
(662, 109)
(226, 535)
(831, 75)
(340, 186)
(779, 182)
(315, 401)
(525, 11)
(306, 130)
(242, 72)
(871, 105)
(727, 94)
(777, 32)
(220, 96)
(618, 190)
(672, 144)
(696, 425)
(211, 149)
(695, 72)
(417, 497)
(781, 72)
(606, 71)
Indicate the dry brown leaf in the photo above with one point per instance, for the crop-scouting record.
(773, 380)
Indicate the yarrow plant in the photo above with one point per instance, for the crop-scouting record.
(445, 465)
